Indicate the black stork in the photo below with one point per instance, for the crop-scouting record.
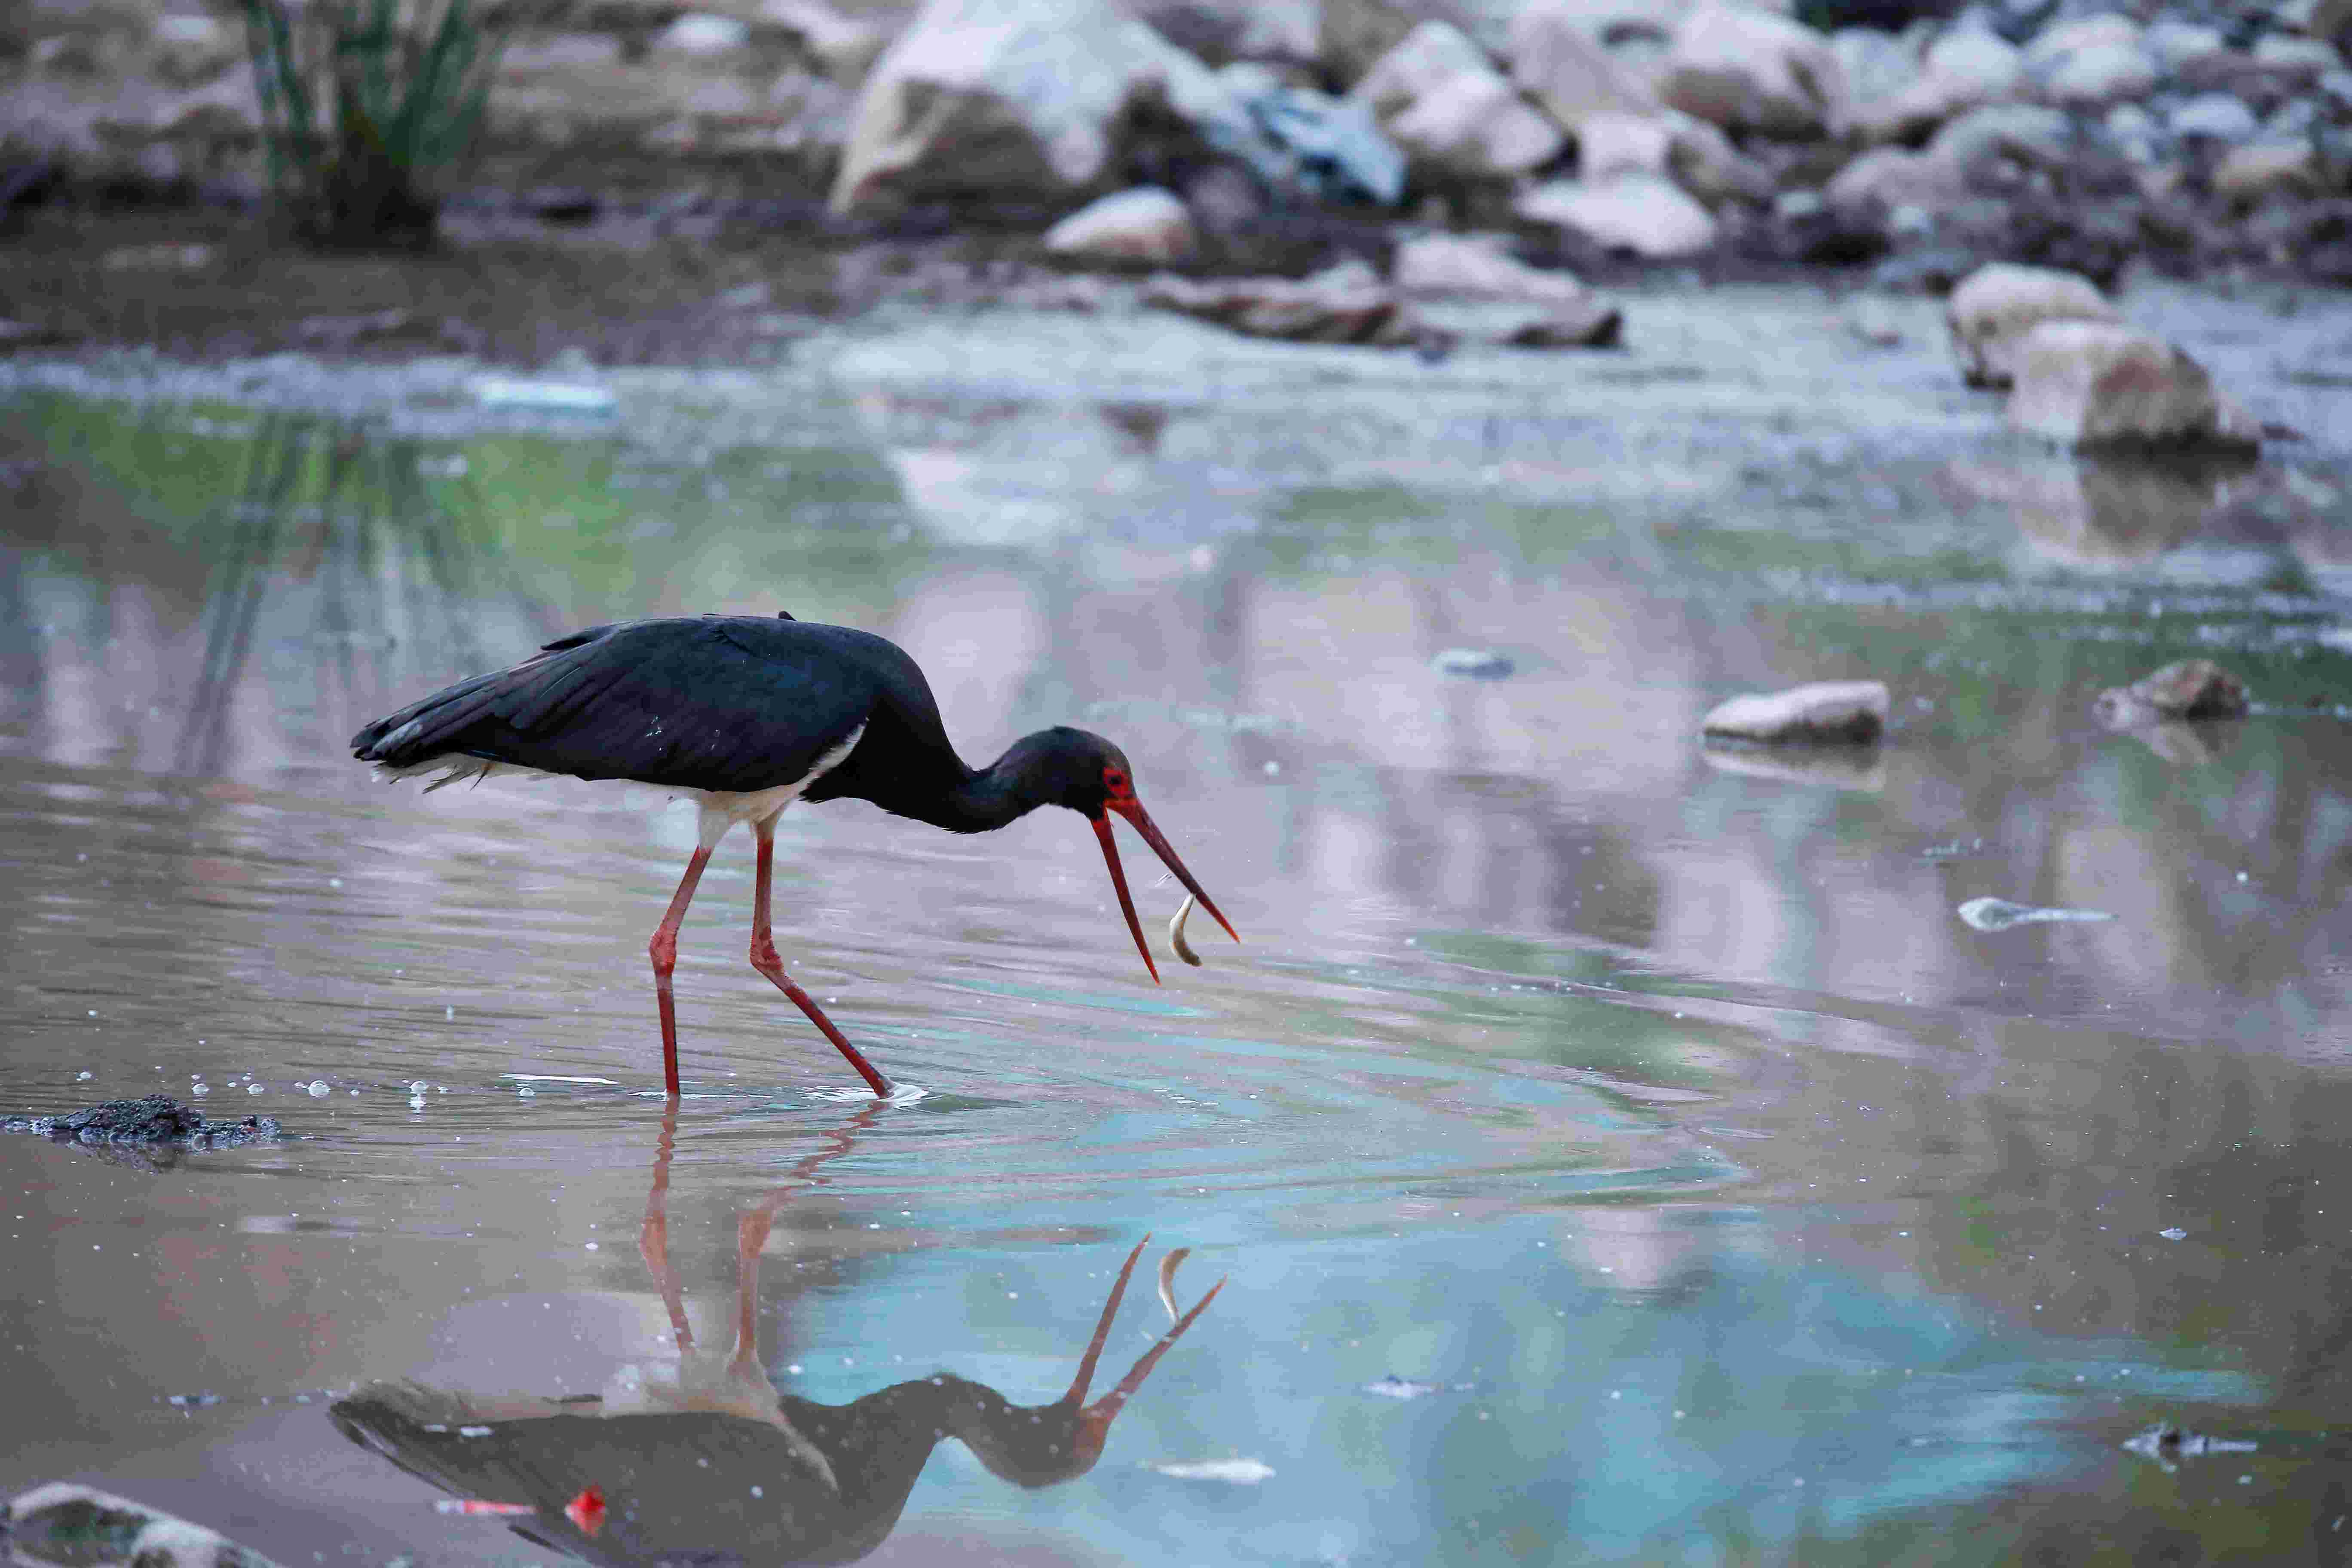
(745, 716)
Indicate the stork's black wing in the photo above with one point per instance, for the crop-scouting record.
(719, 702)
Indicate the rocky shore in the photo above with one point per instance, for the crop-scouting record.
(1910, 143)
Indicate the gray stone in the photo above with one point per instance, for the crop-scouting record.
(1849, 711)
(2100, 75)
(2188, 689)
(1642, 212)
(2215, 117)
(2176, 44)
(2027, 132)
(1556, 60)
(1476, 266)
(1344, 304)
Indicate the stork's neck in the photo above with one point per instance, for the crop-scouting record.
(986, 798)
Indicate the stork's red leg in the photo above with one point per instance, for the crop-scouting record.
(664, 948)
(764, 960)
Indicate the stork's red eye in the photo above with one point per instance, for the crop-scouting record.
(1115, 781)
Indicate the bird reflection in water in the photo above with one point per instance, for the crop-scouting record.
(712, 1464)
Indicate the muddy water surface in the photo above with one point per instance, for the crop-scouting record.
(1615, 1151)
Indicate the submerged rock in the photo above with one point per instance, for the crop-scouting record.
(2088, 385)
(2186, 689)
(157, 1121)
(1473, 664)
(2000, 914)
(1848, 712)
(1343, 304)
(74, 1526)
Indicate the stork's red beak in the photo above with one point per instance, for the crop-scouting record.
(1133, 810)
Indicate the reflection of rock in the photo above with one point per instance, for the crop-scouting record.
(2188, 744)
(2100, 512)
(1837, 767)
(1824, 711)
(2186, 689)
(2095, 384)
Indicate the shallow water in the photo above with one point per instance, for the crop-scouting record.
(1615, 1150)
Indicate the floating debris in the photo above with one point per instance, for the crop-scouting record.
(1473, 664)
(1176, 933)
(1168, 1268)
(1395, 1387)
(2000, 914)
(540, 1077)
(192, 1401)
(155, 1122)
(1239, 1472)
(511, 392)
(2166, 1445)
(2173, 1233)
(471, 1507)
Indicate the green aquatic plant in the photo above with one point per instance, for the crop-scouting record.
(366, 104)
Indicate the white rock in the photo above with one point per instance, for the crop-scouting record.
(2250, 174)
(1612, 143)
(1641, 213)
(1016, 97)
(2100, 75)
(1994, 308)
(700, 33)
(1477, 265)
(1975, 67)
(1444, 102)
(1146, 224)
(2056, 42)
(1745, 70)
(1842, 711)
(2287, 52)
(2027, 132)
(2092, 384)
(1876, 65)
(2215, 117)
(1895, 178)
(1556, 60)
(2176, 43)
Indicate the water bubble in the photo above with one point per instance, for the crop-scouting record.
(419, 1086)
(200, 1089)
(81, 1076)
(254, 1088)
(321, 1088)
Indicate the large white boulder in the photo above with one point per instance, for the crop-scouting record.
(1006, 98)
(2096, 384)
(1645, 214)
(1442, 102)
(1556, 61)
(1748, 69)
(1994, 308)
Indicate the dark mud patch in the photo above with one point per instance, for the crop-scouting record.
(153, 1131)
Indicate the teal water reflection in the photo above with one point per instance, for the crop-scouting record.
(1643, 1114)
